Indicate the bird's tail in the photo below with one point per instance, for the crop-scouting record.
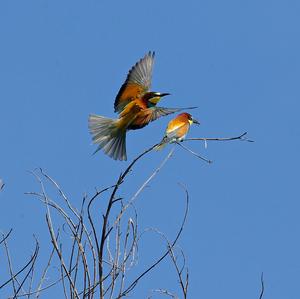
(109, 137)
(162, 144)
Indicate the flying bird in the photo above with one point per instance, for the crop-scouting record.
(177, 129)
(136, 106)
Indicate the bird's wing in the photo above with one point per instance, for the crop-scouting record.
(162, 111)
(137, 83)
(131, 109)
(173, 135)
(178, 132)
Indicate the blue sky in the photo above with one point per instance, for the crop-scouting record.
(238, 61)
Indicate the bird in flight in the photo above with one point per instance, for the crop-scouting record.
(177, 129)
(136, 106)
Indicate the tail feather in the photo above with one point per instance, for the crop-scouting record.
(162, 144)
(108, 136)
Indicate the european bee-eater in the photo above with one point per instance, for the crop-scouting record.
(177, 129)
(136, 106)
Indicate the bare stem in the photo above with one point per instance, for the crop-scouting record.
(134, 283)
(111, 201)
(4, 237)
(195, 154)
(262, 286)
(240, 137)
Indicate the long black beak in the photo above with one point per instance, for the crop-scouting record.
(164, 94)
(196, 122)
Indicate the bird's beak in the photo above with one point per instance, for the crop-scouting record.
(196, 122)
(164, 94)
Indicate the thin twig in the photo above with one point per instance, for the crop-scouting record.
(42, 289)
(71, 259)
(240, 137)
(51, 203)
(52, 234)
(195, 154)
(262, 285)
(32, 274)
(74, 228)
(144, 185)
(76, 265)
(10, 266)
(39, 288)
(123, 266)
(166, 293)
(61, 193)
(34, 257)
(1, 184)
(183, 285)
(59, 253)
(134, 283)
(63, 283)
(4, 237)
(107, 213)
(96, 239)
(16, 274)
(115, 267)
(31, 281)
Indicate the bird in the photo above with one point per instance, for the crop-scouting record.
(177, 129)
(136, 106)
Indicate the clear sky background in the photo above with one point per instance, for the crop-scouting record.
(238, 61)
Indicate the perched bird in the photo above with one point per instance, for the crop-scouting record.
(177, 129)
(136, 106)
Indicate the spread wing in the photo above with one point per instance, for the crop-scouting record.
(162, 111)
(137, 83)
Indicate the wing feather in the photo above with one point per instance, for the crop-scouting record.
(178, 132)
(137, 83)
(163, 111)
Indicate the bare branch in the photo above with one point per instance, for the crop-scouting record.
(134, 283)
(91, 237)
(131, 201)
(183, 285)
(262, 286)
(59, 253)
(107, 213)
(4, 237)
(61, 193)
(179, 271)
(10, 266)
(31, 280)
(38, 291)
(39, 288)
(195, 154)
(1, 184)
(63, 283)
(166, 293)
(34, 257)
(240, 137)
(21, 270)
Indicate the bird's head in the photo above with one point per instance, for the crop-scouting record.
(189, 118)
(154, 97)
